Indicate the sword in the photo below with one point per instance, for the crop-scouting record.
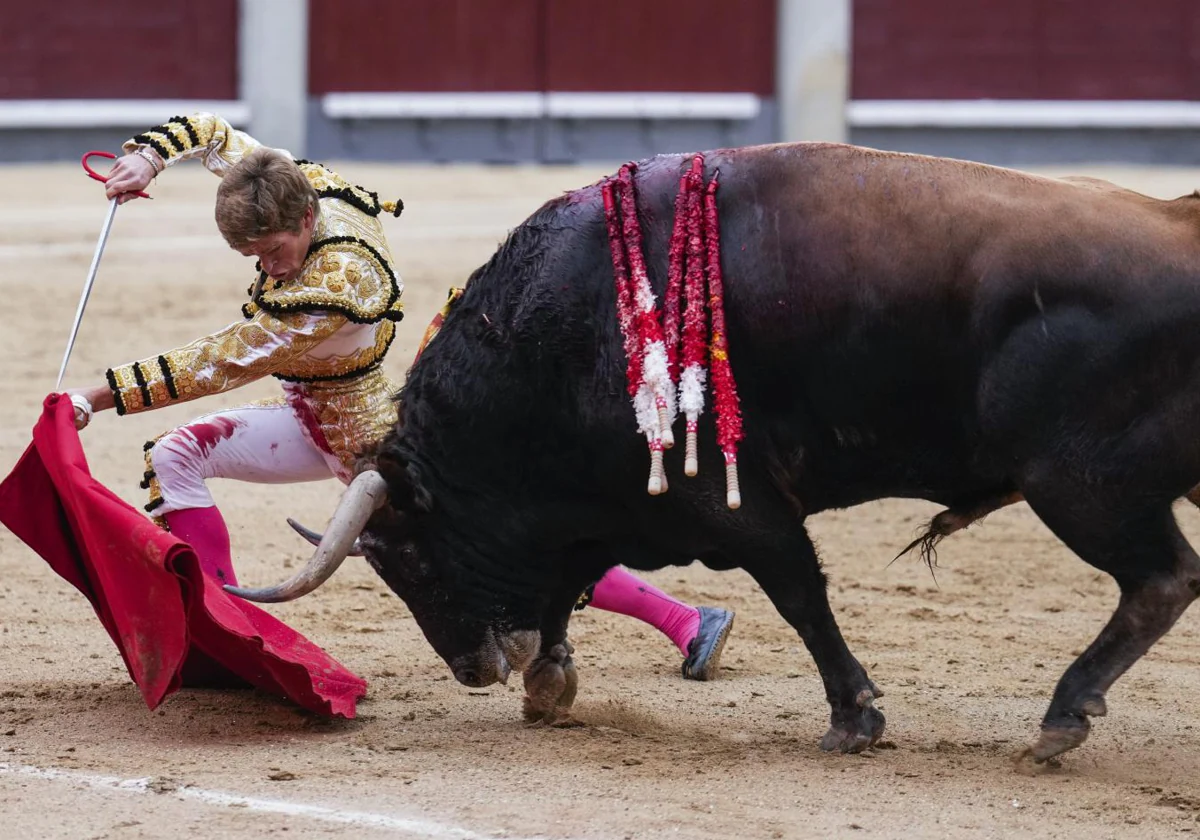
(87, 290)
(91, 278)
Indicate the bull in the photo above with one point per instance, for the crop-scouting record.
(899, 326)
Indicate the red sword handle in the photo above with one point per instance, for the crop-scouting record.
(96, 175)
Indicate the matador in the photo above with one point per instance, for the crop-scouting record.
(320, 316)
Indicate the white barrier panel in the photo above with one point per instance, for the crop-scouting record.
(1018, 113)
(111, 113)
(534, 105)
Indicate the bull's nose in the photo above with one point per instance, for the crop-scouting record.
(469, 676)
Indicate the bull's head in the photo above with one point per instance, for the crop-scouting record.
(474, 627)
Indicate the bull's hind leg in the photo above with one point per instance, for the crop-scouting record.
(794, 582)
(1140, 545)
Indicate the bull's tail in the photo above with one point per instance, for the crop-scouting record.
(956, 519)
(952, 520)
(928, 545)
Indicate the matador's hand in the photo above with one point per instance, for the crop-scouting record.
(83, 411)
(87, 401)
(131, 174)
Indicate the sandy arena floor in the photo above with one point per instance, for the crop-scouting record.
(967, 662)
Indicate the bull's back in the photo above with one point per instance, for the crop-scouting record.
(867, 291)
(840, 238)
(859, 210)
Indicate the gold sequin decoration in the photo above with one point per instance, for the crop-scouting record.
(232, 357)
(219, 143)
(155, 491)
(335, 277)
(323, 179)
(353, 414)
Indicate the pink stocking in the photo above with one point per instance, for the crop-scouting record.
(204, 530)
(620, 592)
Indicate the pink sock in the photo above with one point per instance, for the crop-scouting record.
(620, 592)
(204, 530)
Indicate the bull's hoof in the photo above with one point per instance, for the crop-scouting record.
(857, 730)
(550, 685)
(1055, 740)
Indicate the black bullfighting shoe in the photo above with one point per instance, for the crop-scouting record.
(704, 651)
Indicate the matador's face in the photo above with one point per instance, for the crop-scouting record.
(282, 254)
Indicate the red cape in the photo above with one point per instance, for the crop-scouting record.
(171, 624)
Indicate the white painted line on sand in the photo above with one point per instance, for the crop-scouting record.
(146, 245)
(365, 819)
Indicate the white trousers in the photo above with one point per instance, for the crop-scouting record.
(266, 444)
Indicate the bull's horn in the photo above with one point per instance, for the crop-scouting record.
(313, 537)
(366, 493)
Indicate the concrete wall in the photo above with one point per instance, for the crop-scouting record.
(273, 69)
(812, 69)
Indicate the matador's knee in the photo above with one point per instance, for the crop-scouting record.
(173, 474)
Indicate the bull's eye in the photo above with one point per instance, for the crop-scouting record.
(410, 563)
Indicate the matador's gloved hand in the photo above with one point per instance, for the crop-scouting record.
(83, 411)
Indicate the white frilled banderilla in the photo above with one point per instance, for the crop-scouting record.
(660, 382)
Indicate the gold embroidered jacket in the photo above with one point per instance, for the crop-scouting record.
(333, 323)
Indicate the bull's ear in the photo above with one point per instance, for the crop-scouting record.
(405, 488)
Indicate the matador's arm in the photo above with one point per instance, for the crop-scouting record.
(201, 135)
(240, 353)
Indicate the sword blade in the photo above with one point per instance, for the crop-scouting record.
(87, 290)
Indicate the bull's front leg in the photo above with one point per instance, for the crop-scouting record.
(796, 586)
(551, 680)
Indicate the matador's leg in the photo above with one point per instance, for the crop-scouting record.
(262, 443)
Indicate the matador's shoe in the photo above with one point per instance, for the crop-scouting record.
(704, 651)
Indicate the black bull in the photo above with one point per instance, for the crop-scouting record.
(899, 326)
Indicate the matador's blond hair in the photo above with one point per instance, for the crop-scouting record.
(263, 193)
